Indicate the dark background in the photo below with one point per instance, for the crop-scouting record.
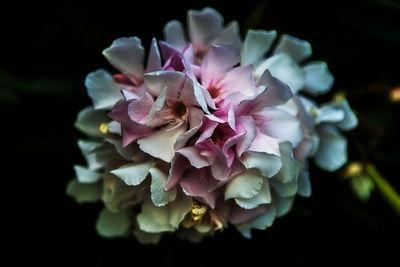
(47, 50)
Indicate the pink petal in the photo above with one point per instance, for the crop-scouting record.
(193, 155)
(265, 143)
(239, 215)
(154, 59)
(276, 93)
(218, 61)
(199, 183)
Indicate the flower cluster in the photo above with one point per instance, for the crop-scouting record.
(205, 131)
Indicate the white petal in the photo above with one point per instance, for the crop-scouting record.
(156, 81)
(204, 26)
(158, 182)
(296, 48)
(283, 205)
(260, 222)
(288, 171)
(127, 55)
(154, 219)
(245, 185)
(332, 150)
(113, 224)
(229, 36)
(347, 121)
(268, 165)
(147, 238)
(178, 209)
(329, 113)
(285, 189)
(102, 89)
(84, 192)
(262, 197)
(160, 143)
(86, 176)
(89, 120)
(285, 69)
(154, 59)
(133, 173)
(281, 125)
(174, 35)
(304, 187)
(256, 44)
(318, 78)
(97, 154)
(114, 127)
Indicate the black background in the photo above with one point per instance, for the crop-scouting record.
(46, 51)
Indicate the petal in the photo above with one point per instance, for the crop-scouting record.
(97, 154)
(200, 183)
(174, 34)
(268, 165)
(86, 176)
(296, 48)
(288, 172)
(304, 184)
(318, 78)
(275, 93)
(216, 158)
(147, 238)
(262, 197)
(256, 44)
(332, 150)
(285, 69)
(102, 89)
(119, 196)
(261, 222)
(193, 155)
(279, 124)
(84, 192)
(229, 36)
(217, 61)
(178, 209)
(348, 121)
(283, 205)
(239, 215)
(154, 219)
(329, 113)
(127, 55)
(154, 59)
(133, 173)
(140, 108)
(246, 123)
(204, 26)
(179, 165)
(158, 182)
(238, 80)
(114, 127)
(113, 224)
(156, 81)
(288, 189)
(89, 120)
(244, 185)
(264, 143)
(160, 143)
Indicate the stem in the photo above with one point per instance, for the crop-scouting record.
(385, 188)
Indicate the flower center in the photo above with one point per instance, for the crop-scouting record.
(178, 109)
(222, 133)
(214, 92)
(199, 55)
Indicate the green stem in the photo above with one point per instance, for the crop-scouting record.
(385, 188)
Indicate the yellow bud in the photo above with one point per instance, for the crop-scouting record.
(103, 128)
